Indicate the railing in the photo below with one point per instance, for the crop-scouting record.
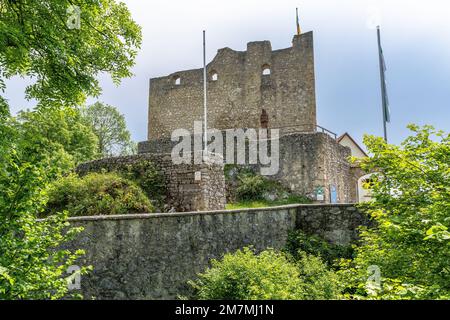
(324, 130)
(307, 128)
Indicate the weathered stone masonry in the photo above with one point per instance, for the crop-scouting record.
(307, 161)
(240, 93)
(151, 256)
(311, 163)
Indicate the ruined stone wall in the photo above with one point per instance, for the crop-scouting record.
(184, 192)
(241, 91)
(153, 256)
(307, 161)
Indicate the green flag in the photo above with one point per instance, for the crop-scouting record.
(384, 97)
(387, 112)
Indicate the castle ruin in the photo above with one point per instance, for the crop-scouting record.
(259, 88)
(242, 87)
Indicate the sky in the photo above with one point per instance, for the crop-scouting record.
(415, 40)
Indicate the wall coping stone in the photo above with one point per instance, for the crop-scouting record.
(212, 212)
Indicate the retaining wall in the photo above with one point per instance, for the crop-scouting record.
(152, 256)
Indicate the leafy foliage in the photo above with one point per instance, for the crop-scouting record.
(36, 40)
(110, 128)
(31, 265)
(411, 208)
(268, 275)
(299, 242)
(316, 279)
(59, 129)
(244, 186)
(251, 187)
(96, 194)
(147, 176)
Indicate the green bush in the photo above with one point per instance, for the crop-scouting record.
(96, 194)
(318, 282)
(147, 176)
(243, 184)
(299, 242)
(246, 188)
(251, 187)
(150, 179)
(268, 275)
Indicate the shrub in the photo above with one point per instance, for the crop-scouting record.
(96, 194)
(147, 176)
(150, 179)
(268, 275)
(318, 282)
(299, 242)
(251, 187)
(242, 183)
(245, 187)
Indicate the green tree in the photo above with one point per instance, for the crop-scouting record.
(59, 129)
(30, 265)
(110, 127)
(36, 41)
(410, 244)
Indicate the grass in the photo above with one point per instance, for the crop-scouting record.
(292, 199)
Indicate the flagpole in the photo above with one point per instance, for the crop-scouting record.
(383, 87)
(205, 119)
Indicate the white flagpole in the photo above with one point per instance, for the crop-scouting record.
(205, 119)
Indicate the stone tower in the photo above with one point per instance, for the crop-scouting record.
(240, 85)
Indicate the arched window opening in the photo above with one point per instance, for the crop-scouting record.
(365, 184)
(177, 80)
(266, 70)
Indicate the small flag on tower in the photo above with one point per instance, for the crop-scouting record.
(298, 23)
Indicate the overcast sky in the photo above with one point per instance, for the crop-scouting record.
(415, 38)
